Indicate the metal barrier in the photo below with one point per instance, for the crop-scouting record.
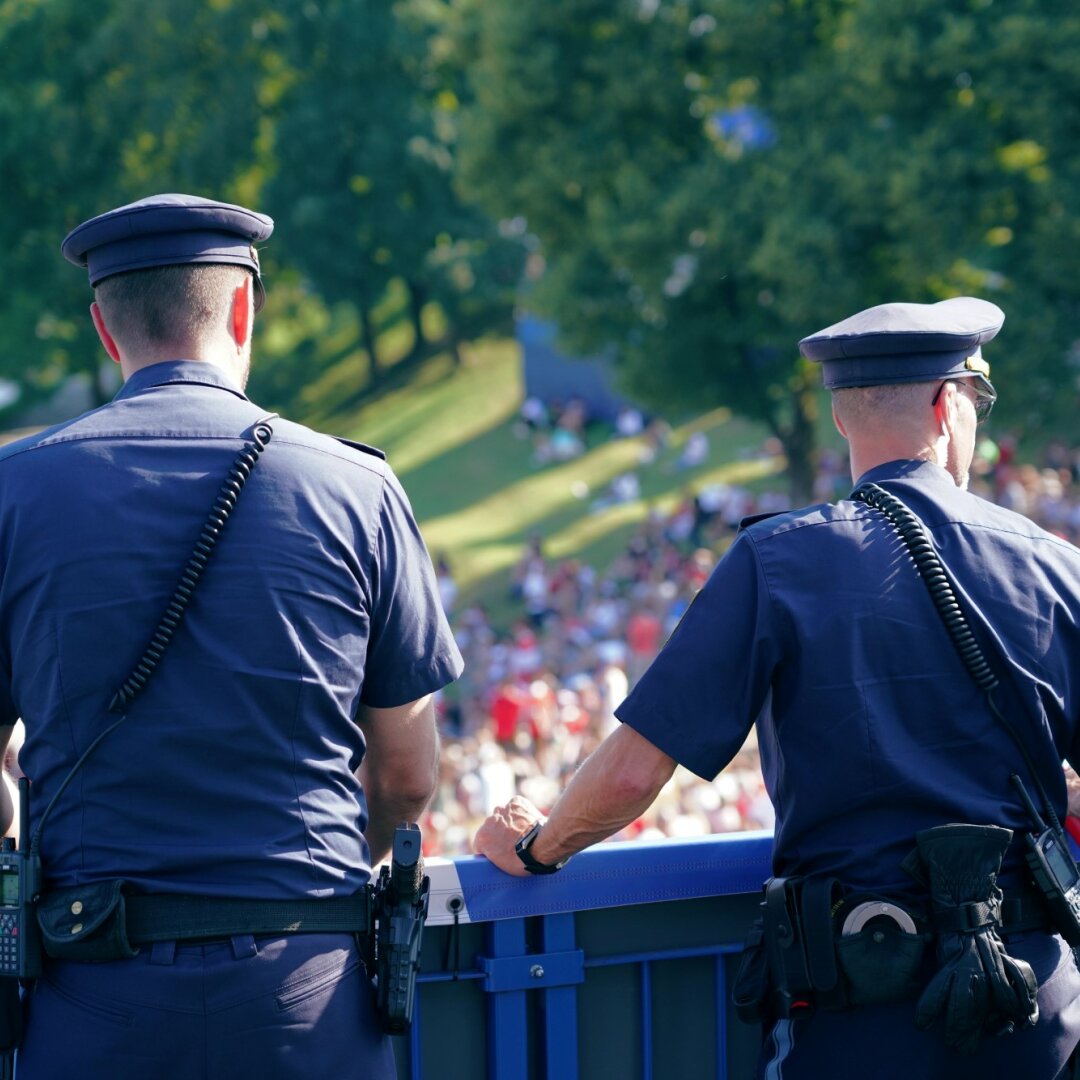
(620, 965)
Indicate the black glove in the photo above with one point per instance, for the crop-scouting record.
(979, 988)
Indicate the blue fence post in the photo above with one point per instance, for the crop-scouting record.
(721, 1019)
(560, 1005)
(508, 1033)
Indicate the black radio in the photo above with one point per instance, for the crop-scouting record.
(1054, 870)
(20, 884)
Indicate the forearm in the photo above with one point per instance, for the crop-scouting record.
(9, 793)
(400, 770)
(605, 795)
(386, 811)
(615, 786)
(9, 801)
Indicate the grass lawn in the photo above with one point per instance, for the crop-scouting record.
(450, 436)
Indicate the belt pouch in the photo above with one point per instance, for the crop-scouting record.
(881, 964)
(85, 922)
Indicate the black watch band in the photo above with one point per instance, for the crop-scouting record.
(526, 856)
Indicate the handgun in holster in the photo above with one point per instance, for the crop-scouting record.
(400, 907)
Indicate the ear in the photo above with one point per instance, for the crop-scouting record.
(836, 420)
(103, 332)
(945, 408)
(241, 313)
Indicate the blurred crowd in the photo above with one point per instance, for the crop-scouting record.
(538, 695)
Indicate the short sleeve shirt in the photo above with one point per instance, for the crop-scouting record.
(234, 771)
(816, 625)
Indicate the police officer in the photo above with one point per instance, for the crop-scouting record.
(287, 726)
(873, 734)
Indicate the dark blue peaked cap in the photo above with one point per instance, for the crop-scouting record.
(169, 230)
(899, 343)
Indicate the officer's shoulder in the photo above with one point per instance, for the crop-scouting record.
(761, 526)
(374, 451)
(344, 450)
(64, 431)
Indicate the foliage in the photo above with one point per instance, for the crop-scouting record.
(319, 112)
(699, 182)
(712, 181)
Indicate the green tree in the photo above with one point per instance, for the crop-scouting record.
(364, 165)
(53, 147)
(712, 181)
(103, 105)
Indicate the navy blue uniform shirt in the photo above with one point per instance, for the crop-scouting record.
(233, 773)
(816, 625)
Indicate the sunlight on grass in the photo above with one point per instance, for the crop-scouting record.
(486, 539)
(443, 408)
(518, 508)
(453, 438)
(594, 527)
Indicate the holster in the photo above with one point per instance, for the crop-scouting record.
(789, 961)
(789, 972)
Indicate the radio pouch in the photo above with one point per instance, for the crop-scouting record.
(85, 922)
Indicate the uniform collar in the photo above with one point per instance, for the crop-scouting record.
(197, 372)
(907, 469)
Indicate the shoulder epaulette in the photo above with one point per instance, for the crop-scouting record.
(362, 447)
(753, 519)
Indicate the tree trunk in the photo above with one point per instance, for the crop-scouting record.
(800, 443)
(417, 299)
(367, 335)
(453, 347)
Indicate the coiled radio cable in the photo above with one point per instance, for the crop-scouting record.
(135, 683)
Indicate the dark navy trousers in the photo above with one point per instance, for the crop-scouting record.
(881, 1042)
(276, 1008)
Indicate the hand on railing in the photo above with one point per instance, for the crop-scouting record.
(504, 827)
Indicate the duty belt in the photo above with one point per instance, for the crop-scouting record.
(818, 945)
(203, 918)
(100, 921)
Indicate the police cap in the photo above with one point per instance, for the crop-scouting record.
(169, 230)
(899, 343)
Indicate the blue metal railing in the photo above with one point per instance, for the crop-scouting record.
(633, 944)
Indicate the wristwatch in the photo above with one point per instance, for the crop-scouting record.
(526, 856)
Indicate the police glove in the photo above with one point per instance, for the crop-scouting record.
(979, 988)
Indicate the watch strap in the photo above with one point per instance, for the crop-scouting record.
(533, 865)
